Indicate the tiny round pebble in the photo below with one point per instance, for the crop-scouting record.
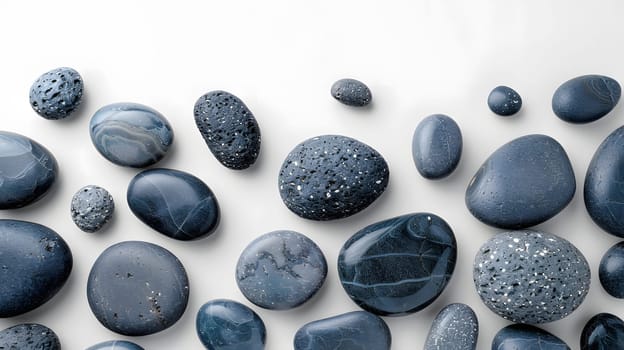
(611, 271)
(91, 208)
(57, 93)
(115, 345)
(351, 92)
(229, 325)
(29, 336)
(504, 101)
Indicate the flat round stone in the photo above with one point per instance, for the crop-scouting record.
(29, 336)
(91, 208)
(57, 93)
(130, 134)
(351, 92)
(603, 332)
(281, 270)
(436, 146)
(137, 288)
(586, 98)
(174, 203)
(400, 265)
(611, 271)
(525, 337)
(115, 345)
(455, 327)
(229, 325)
(504, 101)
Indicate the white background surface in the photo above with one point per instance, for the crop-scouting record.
(281, 57)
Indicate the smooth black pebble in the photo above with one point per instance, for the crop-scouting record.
(504, 101)
(586, 98)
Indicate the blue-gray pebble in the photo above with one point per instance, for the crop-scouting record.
(603, 332)
(331, 177)
(455, 328)
(611, 271)
(281, 270)
(524, 183)
(351, 92)
(229, 129)
(35, 263)
(525, 337)
(56, 94)
(358, 330)
(400, 265)
(137, 288)
(436, 146)
(91, 208)
(130, 134)
(115, 345)
(531, 276)
(586, 98)
(229, 325)
(27, 170)
(29, 336)
(504, 101)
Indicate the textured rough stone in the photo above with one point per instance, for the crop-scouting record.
(351, 92)
(29, 336)
(455, 328)
(228, 325)
(611, 271)
(57, 93)
(115, 345)
(586, 98)
(91, 208)
(436, 146)
(525, 337)
(504, 101)
(603, 332)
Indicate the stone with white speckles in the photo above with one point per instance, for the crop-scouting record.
(455, 328)
(504, 101)
(29, 336)
(351, 92)
(91, 208)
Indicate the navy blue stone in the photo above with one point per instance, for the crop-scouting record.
(229, 325)
(35, 263)
(400, 265)
(29, 336)
(331, 177)
(27, 170)
(358, 330)
(229, 129)
(525, 337)
(455, 328)
(524, 183)
(436, 146)
(57, 93)
(504, 101)
(91, 208)
(174, 203)
(351, 92)
(281, 270)
(611, 271)
(115, 345)
(603, 332)
(137, 288)
(130, 134)
(586, 98)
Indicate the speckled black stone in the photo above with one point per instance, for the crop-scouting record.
(611, 271)
(229, 325)
(29, 336)
(603, 332)
(586, 98)
(436, 146)
(137, 288)
(229, 129)
(504, 101)
(455, 328)
(531, 276)
(115, 345)
(331, 177)
(351, 92)
(523, 183)
(525, 337)
(91, 208)
(57, 93)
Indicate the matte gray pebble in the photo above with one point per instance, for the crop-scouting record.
(57, 93)
(455, 328)
(504, 101)
(436, 146)
(351, 92)
(91, 208)
(29, 336)
(586, 98)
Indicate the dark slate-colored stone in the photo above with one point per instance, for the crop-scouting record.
(455, 328)
(586, 98)
(29, 336)
(229, 325)
(27, 170)
(91, 208)
(611, 271)
(57, 93)
(358, 330)
(400, 265)
(35, 263)
(229, 129)
(531, 276)
(525, 337)
(115, 345)
(281, 270)
(137, 288)
(603, 332)
(351, 92)
(436, 146)
(331, 177)
(130, 134)
(504, 101)
(174, 203)
(523, 183)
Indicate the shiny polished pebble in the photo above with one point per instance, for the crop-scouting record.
(130, 134)
(531, 276)
(504, 101)
(586, 98)
(351, 92)
(56, 94)
(281, 270)
(611, 271)
(229, 325)
(525, 337)
(115, 345)
(603, 332)
(455, 328)
(436, 146)
(29, 336)
(91, 208)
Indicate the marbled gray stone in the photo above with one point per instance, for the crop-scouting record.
(57, 93)
(455, 328)
(224, 324)
(351, 92)
(525, 337)
(91, 208)
(115, 345)
(29, 336)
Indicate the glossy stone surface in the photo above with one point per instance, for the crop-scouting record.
(436, 146)
(91, 208)
(29, 336)
(229, 129)
(525, 337)
(130, 134)
(523, 183)
(586, 98)
(358, 330)
(57, 93)
(400, 265)
(115, 345)
(137, 288)
(281, 270)
(603, 332)
(331, 177)
(35, 263)
(229, 325)
(27, 170)
(531, 276)
(351, 92)
(504, 101)
(611, 271)
(455, 328)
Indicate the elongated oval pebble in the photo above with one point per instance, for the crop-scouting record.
(115, 345)
(351, 92)
(455, 328)
(229, 325)
(436, 146)
(525, 337)
(586, 98)
(29, 336)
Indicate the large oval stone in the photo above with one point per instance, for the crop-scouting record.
(29, 336)
(603, 332)
(331, 177)
(455, 327)
(174, 203)
(436, 146)
(611, 271)
(586, 98)
(115, 345)
(523, 183)
(400, 265)
(27, 170)
(229, 325)
(35, 263)
(525, 337)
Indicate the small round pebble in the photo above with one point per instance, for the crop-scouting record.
(504, 101)
(229, 325)
(351, 92)
(611, 271)
(29, 336)
(115, 345)
(91, 208)
(57, 93)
